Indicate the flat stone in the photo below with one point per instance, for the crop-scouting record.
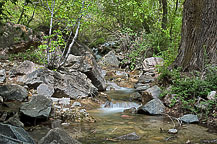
(38, 107)
(189, 118)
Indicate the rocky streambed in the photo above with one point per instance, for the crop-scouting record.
(39, 105)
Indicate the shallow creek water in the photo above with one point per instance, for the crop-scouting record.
(111, 123)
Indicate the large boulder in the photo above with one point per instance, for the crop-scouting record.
(74, 84)
(14, 135)
(87, 65)
(57, 136)
(13, 92)
(153, 107)
(110, 60)
(17, 38)
(2, 76)
(37, 77)
(38, 107)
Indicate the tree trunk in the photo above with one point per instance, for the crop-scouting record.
(199, 35)
(164, 19)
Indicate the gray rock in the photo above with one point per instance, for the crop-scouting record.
(153, 107)
(15, 121)
(150, 93)
(45, 90)
(145, 79)
(154, 91)
(110, 60)
(130, 136)
(152, 62)
(212, 95)
(56, 123)
(87, 65)
(112, 86)
(13, 92)
(57, 136)
(189, 118)
(37, 77)
(74, 85)
(136, 96)
(73, 61)
(142, 87)
(2, 75)
(14, 135)
(38, 107)
(24, 68)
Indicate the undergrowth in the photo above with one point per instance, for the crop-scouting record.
(191, 90)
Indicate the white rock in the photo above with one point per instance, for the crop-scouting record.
(173, 131)
(212, 95)
(64, 101)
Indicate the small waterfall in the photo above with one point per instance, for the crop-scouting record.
(117, 106)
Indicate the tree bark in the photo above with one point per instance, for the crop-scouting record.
(199, 35)
(164, 19)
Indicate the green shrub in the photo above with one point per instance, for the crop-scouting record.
(189, 89)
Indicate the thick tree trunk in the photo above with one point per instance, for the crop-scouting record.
(199, 35)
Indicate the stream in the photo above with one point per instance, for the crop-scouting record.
(112, 122)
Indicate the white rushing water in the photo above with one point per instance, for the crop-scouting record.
(117, 106)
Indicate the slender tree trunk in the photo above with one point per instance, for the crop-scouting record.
(198, 45)
(164, 19)
(21, 15)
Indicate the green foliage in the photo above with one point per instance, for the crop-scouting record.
(189, 89)
(37, 55)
